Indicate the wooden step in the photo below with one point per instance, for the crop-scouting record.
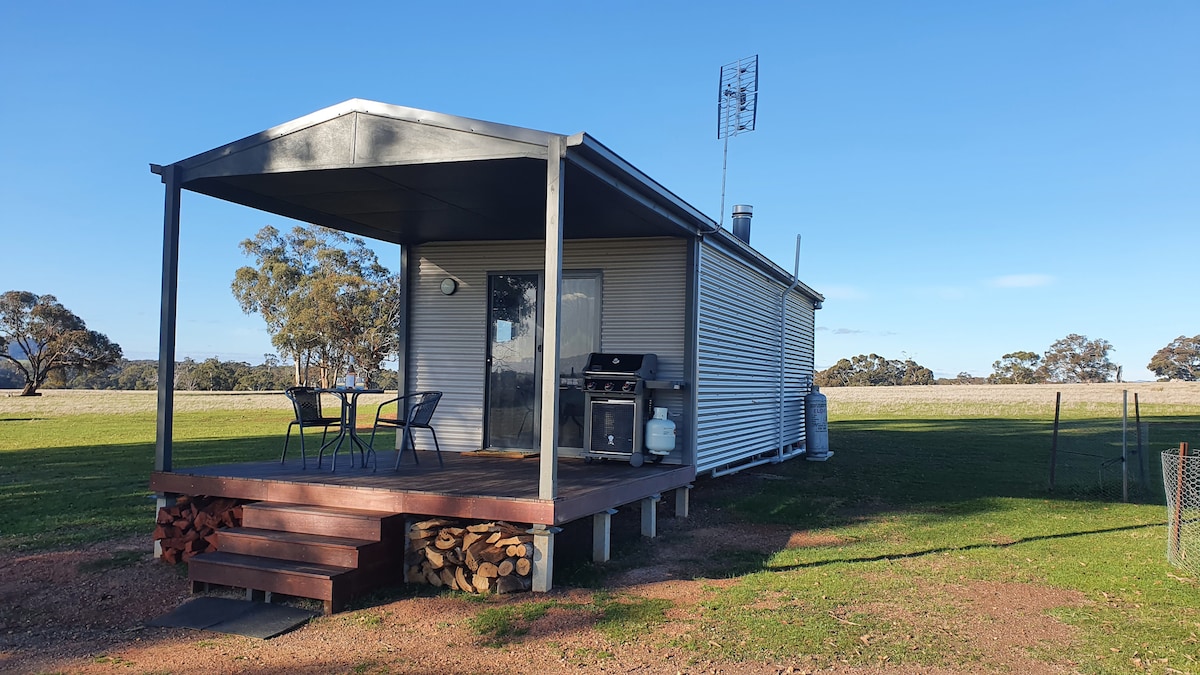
(310, 548)
(323, 520)
(332, 584)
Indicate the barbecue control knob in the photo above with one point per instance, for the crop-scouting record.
(608, 386)
(590, 385)
(628, 386)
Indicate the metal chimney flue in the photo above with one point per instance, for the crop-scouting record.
(742, 213)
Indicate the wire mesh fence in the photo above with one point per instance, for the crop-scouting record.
(1109, 451)
(1104, 459)
(1181, 482)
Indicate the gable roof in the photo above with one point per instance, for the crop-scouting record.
(406, 176)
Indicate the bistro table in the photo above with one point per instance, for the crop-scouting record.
(349, 426)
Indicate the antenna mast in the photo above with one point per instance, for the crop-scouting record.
(737, 108)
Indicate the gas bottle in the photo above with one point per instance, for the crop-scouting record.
(816, 422)
(660, 433)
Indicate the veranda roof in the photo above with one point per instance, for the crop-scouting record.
(408, 176)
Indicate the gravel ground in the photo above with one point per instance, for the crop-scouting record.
(84, 611)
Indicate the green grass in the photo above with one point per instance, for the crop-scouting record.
(913, 502)
(909, 505)
(497, 626)
(69, 480)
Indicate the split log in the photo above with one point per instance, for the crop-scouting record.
(431, 524)
(470, 557)
(506, 567)
(470, 538)
(512, 584)
(519, 551)
(189, 527)
(481, 583)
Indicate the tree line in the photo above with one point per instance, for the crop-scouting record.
(211, 374)
(1073, 358)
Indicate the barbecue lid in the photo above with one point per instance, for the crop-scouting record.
(620, 364)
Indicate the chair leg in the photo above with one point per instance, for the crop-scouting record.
(400, 451)
(303, 456)
(287, 437)
(437, 447)
(407, 441)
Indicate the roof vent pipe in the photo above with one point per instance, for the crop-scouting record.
(742, 213)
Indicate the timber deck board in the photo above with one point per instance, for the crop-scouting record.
(467, 487)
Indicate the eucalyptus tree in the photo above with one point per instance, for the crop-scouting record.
(873, 370)
(1017, 368)
(324, 296)
(1179, 360)
(1075, 358)
(40, 337)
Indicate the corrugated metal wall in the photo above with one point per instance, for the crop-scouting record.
(738, 362)
(643, 305)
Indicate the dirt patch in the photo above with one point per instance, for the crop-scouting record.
(84, 612)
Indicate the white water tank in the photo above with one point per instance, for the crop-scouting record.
(816, 421)
(660, 433)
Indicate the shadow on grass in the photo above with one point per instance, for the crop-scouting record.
(53, 497)
(957, 549)
(947, 466)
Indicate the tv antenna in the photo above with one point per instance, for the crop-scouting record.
(737, 107)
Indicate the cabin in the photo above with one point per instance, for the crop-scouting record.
(570, 310)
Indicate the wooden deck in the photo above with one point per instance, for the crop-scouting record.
(480, 488)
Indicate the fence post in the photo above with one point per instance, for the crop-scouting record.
(1177, 518)
(1125, 446)
(1054, 438)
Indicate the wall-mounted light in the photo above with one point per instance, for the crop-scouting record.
(449, 286)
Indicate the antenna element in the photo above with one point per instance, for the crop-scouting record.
(737, 107)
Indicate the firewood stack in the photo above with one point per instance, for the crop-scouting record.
(190, 526)
(482, 558)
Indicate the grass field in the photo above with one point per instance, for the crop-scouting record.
(931, 489)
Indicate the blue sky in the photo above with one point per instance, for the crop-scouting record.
(968, 178)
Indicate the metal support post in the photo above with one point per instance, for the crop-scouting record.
(551, 303)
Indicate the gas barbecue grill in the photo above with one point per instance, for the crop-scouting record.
(616, 404)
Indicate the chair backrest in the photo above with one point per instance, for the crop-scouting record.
(421, 412)
(306, 401)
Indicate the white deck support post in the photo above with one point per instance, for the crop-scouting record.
(543, 557)
(650, 516)
(548, 469)
(683, 501)
(602, 535)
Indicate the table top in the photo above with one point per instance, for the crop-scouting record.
(347, 390)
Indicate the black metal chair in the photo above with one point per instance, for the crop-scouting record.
(306, 401)
(419, 413)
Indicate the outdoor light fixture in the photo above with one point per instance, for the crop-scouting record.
(449, 286)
